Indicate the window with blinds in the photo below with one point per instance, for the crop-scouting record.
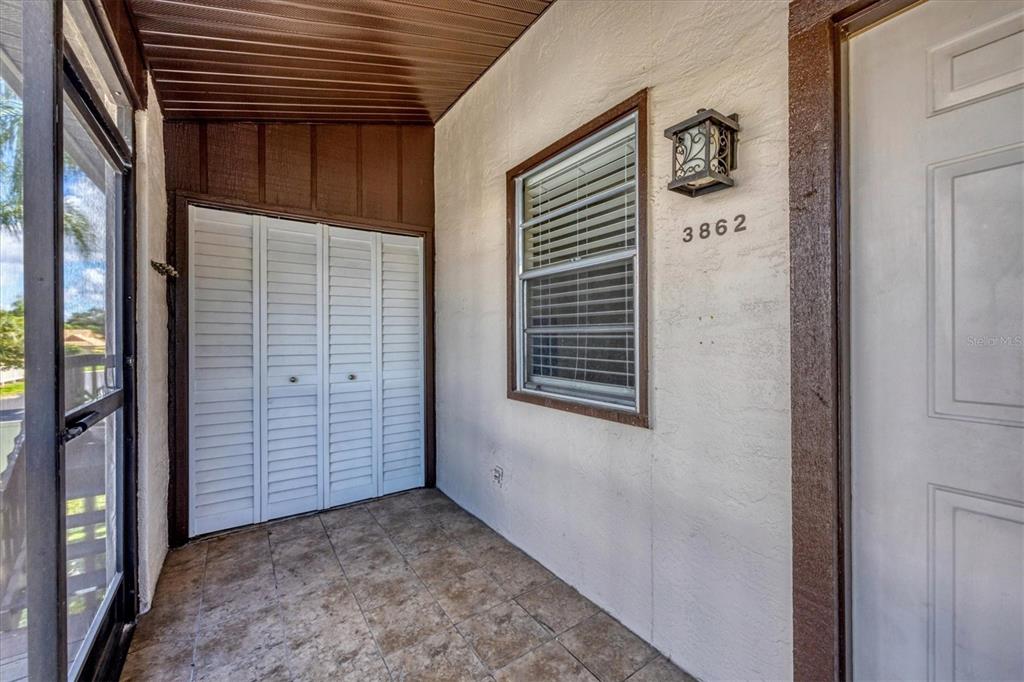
(576, 269)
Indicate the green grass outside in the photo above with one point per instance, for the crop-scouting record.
(12, 388)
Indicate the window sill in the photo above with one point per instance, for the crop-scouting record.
(640, 419)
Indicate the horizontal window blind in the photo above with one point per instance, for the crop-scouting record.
(576, 299)
(606, 162)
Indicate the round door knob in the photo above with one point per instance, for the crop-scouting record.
(293, 379)
(351, 377)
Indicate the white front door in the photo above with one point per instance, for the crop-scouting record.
(936, 122)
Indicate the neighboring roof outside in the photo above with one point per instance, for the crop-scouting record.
(357, 61)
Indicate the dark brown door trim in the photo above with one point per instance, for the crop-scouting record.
(177, 301)
(819, 273)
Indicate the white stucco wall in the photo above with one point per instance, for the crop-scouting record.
(681, 531)
(151, 331)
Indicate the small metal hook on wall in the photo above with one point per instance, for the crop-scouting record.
(164, 269)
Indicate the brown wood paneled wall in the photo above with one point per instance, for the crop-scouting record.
(373, 175)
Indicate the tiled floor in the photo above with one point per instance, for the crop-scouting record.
(409, 587)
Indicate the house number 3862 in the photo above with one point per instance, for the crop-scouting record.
(720, 227)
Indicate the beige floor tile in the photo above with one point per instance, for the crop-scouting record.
(420, 537)
(442, 563)
(392, 503)
(516, 572)
(249, 641)
(226, 572)
(457, 521)
(477, 539)
(329, 638)
(305, 544)
(391, 583)
(331, 615)
(333, 596)
(291, 529)
(180, 587)
(401, 500)
(369, 558)
(402, 623)
(188, 556)
(309, 579)
(349, 539)
(332, 599)
(223, 602)
(397, 517)
(346, 517)
(661, 670)
(503, 634)
(305, 562)
(557, 606)
(167, 623)
(262, 666)
(166, 661)
(314, 662)
(439, 509)
(424, 497)
(607, 648)
(240, 546)
(548, 662)
(464, 595)
(442, 657)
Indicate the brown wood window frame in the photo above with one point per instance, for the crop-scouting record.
(637, 103)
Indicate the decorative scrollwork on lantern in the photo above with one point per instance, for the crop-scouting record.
(703, 152)
(689, 148)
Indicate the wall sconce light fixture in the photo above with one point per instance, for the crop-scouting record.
(703, 152)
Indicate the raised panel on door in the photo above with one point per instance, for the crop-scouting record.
(351, 302)
(224, 475)
(291, 366)
(401, 363)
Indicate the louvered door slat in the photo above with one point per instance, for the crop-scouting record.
(351, 380)
(401, 360)
(291, 367)
(224, 341)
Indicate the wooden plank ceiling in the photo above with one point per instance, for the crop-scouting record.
(401, 61)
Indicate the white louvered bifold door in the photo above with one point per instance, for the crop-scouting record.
(306, 367)
(401, 362)
(352, 315)
(224, 467)
(292, 370)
